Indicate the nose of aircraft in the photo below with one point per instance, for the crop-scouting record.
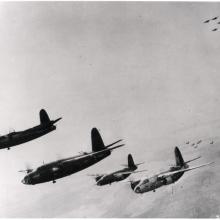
(25, 180)
(138, 190)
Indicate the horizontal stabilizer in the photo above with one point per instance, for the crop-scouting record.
(114, 143)
(193, 159)
(55, 121)
(137, 164)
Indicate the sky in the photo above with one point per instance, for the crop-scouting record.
(146, 72)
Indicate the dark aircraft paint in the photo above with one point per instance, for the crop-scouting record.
(117, 175)
(62, 168)
(65, 167)
(16, 138)
(113, 177)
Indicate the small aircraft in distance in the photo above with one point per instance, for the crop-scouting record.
(20, 137)
(187, 142)
(65, 167)
(104, 179)
(214, 18)
(166, 177)
(212, 142)
(198, 142)
(206, 21)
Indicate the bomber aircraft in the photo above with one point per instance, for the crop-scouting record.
(65, 167)
(104, 179)
(20, 137)
(198, 142)
(166, 177)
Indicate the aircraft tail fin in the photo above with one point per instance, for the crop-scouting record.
(178, 156)
(97, 142)
(131, 163)
(44, 118)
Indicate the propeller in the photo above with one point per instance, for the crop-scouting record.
(27, 170)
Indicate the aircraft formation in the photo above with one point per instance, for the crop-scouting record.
(211, 20)
(65, 167)
(52, 171)
(197, 143)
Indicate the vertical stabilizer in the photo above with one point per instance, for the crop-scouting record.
(97, 142)
(178, 157)
(131, 163)
(44, 118)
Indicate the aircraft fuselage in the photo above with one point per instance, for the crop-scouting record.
(62, 168)
(154, 182)
(113, 177)
(16, 138)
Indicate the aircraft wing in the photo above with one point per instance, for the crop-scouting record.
(97, 175)
(91, 154)
(128, 172)
(182, 170)
(119, 173)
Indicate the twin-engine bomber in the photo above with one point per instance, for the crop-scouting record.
(166, 177)
(104, 179)
(65, 167)
(20, 137)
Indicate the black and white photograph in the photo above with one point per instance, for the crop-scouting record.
(109, 109)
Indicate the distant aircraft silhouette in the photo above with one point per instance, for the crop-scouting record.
(214, 18)
(207, 21)
(215, 29)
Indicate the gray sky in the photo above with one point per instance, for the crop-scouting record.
(147, 72)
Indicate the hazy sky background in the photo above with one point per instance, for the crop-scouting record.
(147, 72)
